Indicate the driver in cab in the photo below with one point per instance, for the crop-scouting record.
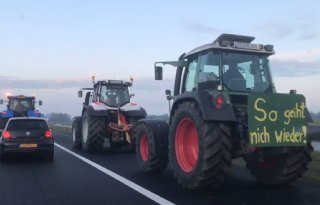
(19, 107)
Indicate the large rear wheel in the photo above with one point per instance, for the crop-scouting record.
(199, 151)
(280, 169)
(93, 133)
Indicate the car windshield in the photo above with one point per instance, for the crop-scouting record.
(245, 72)
(16, 125)
(114, 95)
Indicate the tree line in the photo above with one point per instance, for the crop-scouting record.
(315, 116)
(59, 118)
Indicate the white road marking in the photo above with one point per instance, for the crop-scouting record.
(154, 197)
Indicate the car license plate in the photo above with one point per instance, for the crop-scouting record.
(28, 145)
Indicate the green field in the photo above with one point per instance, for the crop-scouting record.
(61, 129)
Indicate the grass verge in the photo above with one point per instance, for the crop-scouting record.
(314, 168)
(65, 129)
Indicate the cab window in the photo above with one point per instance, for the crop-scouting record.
(209, 74)
(191, 76)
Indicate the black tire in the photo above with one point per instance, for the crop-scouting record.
(76, 133)
(211, 140)
(280, 169)
(93, 133)
(152, 145)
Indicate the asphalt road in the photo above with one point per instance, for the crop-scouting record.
(113, 177)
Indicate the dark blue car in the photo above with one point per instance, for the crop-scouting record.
(27, 135)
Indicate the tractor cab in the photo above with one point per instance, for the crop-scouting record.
(112, 93)
(19, 106)
(231, 63)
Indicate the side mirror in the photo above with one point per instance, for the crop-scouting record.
(131, 95)
(80, 93)
(1, 102)
(158, 73)
(169, 96)
(40, 102)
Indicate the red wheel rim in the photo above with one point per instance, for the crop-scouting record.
(144, 147)
(187, 145)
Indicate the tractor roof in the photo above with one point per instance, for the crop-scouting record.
(113, 82)
(234, 42)
(20, 97)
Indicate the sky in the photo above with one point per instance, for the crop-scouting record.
(50, 48)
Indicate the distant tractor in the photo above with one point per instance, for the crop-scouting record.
(225, 106)
(19, 106)
(107, 117)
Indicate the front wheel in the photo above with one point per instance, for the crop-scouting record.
(199, 151)
(93, 133)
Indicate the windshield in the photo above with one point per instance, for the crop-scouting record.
(114, 95)
(17, 125)
(21, 105)
(245, 72)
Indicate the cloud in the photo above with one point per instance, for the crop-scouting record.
(60, 95)
(296, 63)
(201, 28)
(280, 30)
(275, 29)
(302, 55)
(294, 68)
(16, 83)
(304, 85)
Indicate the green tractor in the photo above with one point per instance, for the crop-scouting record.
(225, 106)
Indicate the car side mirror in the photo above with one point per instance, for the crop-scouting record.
(158, 73)
(131, 95)
(40, 102)
(80, 93)
(1, 102)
